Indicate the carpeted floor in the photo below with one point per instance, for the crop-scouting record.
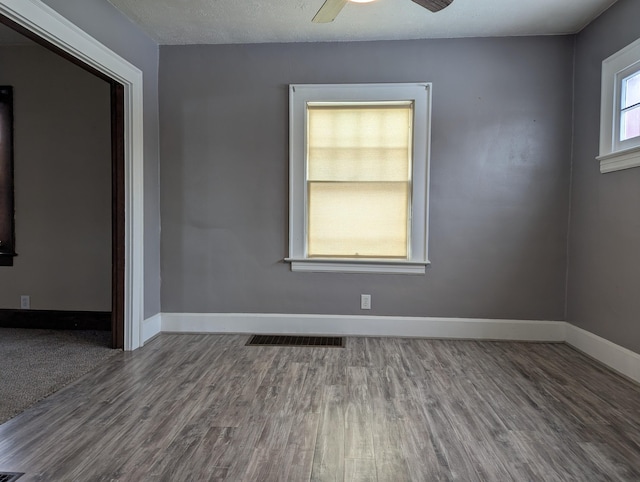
(36, 363)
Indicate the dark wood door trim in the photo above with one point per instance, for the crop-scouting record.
(117, 214)
(53, 48)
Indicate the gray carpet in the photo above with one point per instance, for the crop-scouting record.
(36, 363)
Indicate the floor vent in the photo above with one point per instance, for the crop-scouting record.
(280, 340)
(10, 476)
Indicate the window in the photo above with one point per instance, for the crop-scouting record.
(359, 177)
(628, 122)
(620, 110)
(7, 241)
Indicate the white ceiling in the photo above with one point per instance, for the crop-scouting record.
(258, 21)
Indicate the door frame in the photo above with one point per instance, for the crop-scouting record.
(49, 28)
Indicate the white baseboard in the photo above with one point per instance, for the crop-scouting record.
(614, 356)
(460, 328)
(620, 359)
(151, 327)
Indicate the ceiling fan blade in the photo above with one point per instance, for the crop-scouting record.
(434, 5)
(329, 11)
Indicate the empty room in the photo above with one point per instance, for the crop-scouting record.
(393, 240)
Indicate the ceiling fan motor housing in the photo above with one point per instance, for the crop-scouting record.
(331, 8)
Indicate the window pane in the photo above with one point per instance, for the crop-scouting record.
(359, 143)
(353, 219)
(631, 89)
(358, 179)
(630, 124)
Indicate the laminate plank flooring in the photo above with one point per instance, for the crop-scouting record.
(208, 408)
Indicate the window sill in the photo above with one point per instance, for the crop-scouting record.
(357, 266)
(619, 160)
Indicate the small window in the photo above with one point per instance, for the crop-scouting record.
(629, 127)
(620, 110)
(7, 237)
(358, 170)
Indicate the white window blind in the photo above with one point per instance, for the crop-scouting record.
(359, 179)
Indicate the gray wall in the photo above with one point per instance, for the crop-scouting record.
(102, 21)
(62, 175)
(499, 189)
(604, 243)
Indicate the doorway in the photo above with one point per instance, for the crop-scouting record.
(68, 38)
(117, 144)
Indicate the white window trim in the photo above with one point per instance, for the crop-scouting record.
(614, 157)
(299, 96)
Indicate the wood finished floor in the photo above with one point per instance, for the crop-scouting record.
(205, 407)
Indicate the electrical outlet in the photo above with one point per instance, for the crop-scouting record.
(25, 302)
(365, 302)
